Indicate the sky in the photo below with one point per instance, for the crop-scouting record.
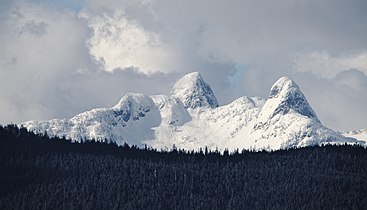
(60, 58)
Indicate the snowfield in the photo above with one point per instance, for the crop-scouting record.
(360, 134)
(190, 118)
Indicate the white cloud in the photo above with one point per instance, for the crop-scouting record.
(39, 46)
(71, 57)
(325, 65)
(119, 43)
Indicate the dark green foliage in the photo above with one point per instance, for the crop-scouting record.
(38, 172)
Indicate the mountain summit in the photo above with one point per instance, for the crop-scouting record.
(288, 120)
(194, 92)
(285, 96)
(288, 97)
(190, 118)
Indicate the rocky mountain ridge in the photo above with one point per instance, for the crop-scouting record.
(190, 118)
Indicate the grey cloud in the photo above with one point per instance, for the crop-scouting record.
(240, 47)
(339, 101)
(102, 89)
(35, 28)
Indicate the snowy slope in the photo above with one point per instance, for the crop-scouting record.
(194, 92)
(360, 134)
(190, 118)
(134, 113)
(287, 120)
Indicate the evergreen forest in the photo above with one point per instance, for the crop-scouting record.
(42, 172)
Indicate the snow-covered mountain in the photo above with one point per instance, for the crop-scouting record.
(190, 118)
(194, 92)
(360, 134)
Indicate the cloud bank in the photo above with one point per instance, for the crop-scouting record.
(58, 59)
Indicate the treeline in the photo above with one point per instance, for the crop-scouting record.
(39, 172)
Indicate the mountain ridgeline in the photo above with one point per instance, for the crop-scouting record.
(190, 118)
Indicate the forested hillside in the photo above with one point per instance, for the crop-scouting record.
(38, 172)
